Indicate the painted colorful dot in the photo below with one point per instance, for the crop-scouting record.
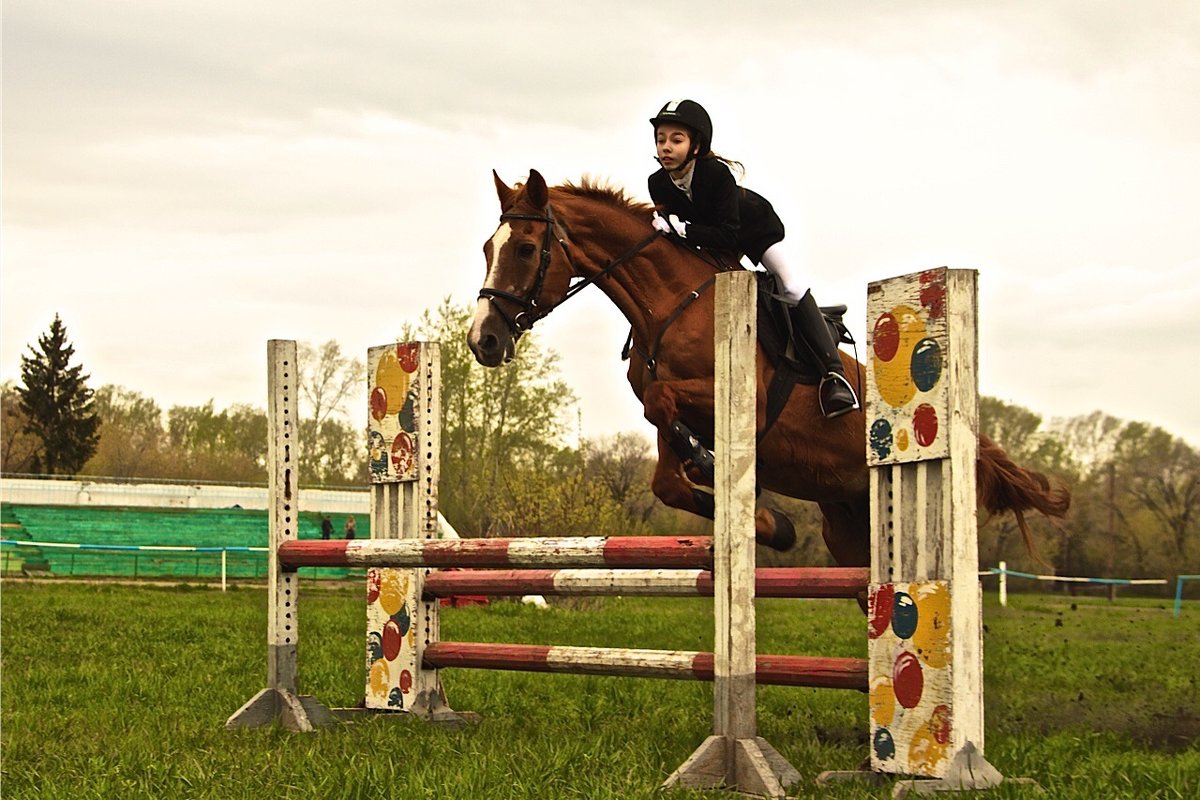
(907, 360)
(907, 721)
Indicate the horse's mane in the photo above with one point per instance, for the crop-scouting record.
(592, 189)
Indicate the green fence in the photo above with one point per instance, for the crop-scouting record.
(108, 539)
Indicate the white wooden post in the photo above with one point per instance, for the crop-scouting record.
(1004, 583)
(925, 617)
(735, 757)
(279, 701)
(404, 431)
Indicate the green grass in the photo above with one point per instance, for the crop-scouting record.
(122, 692)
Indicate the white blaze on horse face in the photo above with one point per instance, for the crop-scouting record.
(483, 308)
(499, 239)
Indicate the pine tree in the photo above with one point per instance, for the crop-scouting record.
(58, 403)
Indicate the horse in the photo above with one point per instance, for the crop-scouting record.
(554, 241)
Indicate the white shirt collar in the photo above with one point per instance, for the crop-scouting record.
(685, 183)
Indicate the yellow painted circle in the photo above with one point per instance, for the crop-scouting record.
(392, 590)
(925, 752)
(882, 702)
(932, 636)
(380, 679)
(893, 378)
(392, 378)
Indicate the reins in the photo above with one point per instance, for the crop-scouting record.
(531, 312)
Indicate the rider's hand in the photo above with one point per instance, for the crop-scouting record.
(679, 225)
(660, 224)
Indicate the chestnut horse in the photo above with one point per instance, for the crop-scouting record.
(549, 236)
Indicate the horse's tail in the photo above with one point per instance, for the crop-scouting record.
(1005, 486)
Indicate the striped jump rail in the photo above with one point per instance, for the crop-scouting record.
(806, 582)
(808, 671)
(629, 552)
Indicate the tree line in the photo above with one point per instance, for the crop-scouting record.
(507, 470)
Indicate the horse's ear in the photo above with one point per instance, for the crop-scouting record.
(535, 189)
(503, 190)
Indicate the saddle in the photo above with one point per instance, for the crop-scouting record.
(792, 364)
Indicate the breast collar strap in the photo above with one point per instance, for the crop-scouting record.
(651, 357)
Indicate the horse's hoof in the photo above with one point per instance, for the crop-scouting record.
(785, 533)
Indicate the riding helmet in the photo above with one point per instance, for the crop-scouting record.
(690, 114)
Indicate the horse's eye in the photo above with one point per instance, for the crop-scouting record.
(526, 250)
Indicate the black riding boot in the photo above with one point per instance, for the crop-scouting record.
(812, 332)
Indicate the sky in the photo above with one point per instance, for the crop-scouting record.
(183, 181)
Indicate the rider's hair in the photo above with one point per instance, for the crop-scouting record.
(736, 167)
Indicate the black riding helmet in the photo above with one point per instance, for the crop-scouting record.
(691, 115)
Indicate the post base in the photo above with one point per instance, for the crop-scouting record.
(748, 766)
(300, 713)
(968, 771)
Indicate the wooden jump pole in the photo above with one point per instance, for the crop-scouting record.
(806, 582)
(735, 757)
(818, 672)
(578, 551)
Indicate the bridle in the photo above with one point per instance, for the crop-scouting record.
(530, 311)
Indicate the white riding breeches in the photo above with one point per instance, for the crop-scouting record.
(787, 275)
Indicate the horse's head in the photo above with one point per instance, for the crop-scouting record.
(528, 270)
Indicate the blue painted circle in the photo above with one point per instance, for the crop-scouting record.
(880, 437)
(374, 646)
(926, 365)
(904, 615)
(884, 745)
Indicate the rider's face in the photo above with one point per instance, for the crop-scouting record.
(674, 143)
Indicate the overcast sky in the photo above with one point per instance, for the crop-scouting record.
(184, 180)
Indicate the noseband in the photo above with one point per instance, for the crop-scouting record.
(530, 312)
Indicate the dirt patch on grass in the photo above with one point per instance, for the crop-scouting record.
(1168, 731)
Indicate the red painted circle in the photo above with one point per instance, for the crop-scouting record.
(908, 680)
(405, 680)
(940, 723)
(391, 640)
(372, 585)
(886, 338)
(879, 607)
(407, 355)
(402, 452)
(925, 424)
(378, 403)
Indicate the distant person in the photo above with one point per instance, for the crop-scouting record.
(351, 527)
(326, 527)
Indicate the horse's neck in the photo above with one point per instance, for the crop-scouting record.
(651, 284)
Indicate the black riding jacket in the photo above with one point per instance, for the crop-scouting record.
(721, 215)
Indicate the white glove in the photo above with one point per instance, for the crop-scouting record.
(679, 226)
(660, 224)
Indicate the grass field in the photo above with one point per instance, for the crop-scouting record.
(122, 692)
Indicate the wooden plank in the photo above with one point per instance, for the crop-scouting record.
(583, 551)
(801, 582)
(776, 670)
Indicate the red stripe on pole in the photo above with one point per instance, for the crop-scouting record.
(812, 582)
(313, 553)
(491, 582)
(817, 672)
(521, 657)
(658, 552)
(467, 552)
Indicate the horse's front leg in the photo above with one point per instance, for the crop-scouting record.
(684, 464)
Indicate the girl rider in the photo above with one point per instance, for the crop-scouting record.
(704, 206)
